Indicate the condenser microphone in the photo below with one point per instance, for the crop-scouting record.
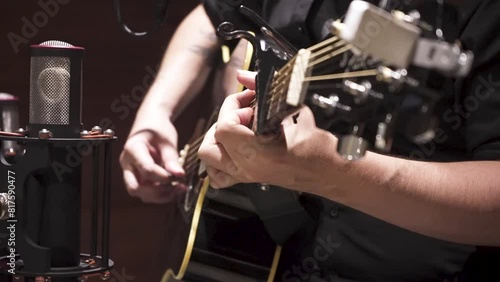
(55, 89)
(45, 182)
(52, 202)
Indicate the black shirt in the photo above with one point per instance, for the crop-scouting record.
(343, 244)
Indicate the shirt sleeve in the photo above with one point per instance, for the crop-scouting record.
(481, 108)
(220, 11)
(481, 97)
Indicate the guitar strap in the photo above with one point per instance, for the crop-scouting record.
(279, 209)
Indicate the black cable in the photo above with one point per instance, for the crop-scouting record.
(160, 12)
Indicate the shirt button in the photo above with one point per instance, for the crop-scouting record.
(334, 212)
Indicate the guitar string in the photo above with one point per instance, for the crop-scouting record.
(353, 74)
(279, 86)
(279, 76)
(323, 43)
(330, 56)
(328, 49)
(283, 79)
(312, 48)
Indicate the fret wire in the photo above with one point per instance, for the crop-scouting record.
(280, 75)
(286, 66)
(277, 90)
(281, 93)
(342, 75)
(330, 56)
(279, 81)
(279, 101)
(278, 87)
(271, 96)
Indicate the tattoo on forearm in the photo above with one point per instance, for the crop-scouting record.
(205, 50)
(209, 35)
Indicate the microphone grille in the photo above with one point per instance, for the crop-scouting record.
(56, 43)
(50, 90)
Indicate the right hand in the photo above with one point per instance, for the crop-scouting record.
(150, 162)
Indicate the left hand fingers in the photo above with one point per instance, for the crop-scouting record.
(235, 102)
(219, 179)
(213, 154)
(247, 78)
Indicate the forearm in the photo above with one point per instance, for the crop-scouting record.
(185, 66)
(457, 202)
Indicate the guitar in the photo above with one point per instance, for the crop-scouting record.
(218, 235)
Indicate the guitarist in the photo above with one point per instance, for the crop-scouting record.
(345, 244)
(386, 218)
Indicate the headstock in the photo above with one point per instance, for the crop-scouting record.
(409, 56)
(382, 69)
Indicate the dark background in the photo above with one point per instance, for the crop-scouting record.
(114, 64)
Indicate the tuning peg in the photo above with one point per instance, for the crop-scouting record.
(395, 79)
(412, 17)
(361, 91)
(329, 104)
(422, 125)
(383, 139)
(352, 147)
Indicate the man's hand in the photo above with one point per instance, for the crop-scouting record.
(150, 160)
(232, 152)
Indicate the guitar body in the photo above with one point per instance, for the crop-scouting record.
(221, 239)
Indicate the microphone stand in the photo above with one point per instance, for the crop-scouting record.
(39, 253)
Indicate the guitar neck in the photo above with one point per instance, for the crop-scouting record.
(284, 93)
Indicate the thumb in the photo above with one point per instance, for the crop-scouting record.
(247, 78)
(171, 163)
